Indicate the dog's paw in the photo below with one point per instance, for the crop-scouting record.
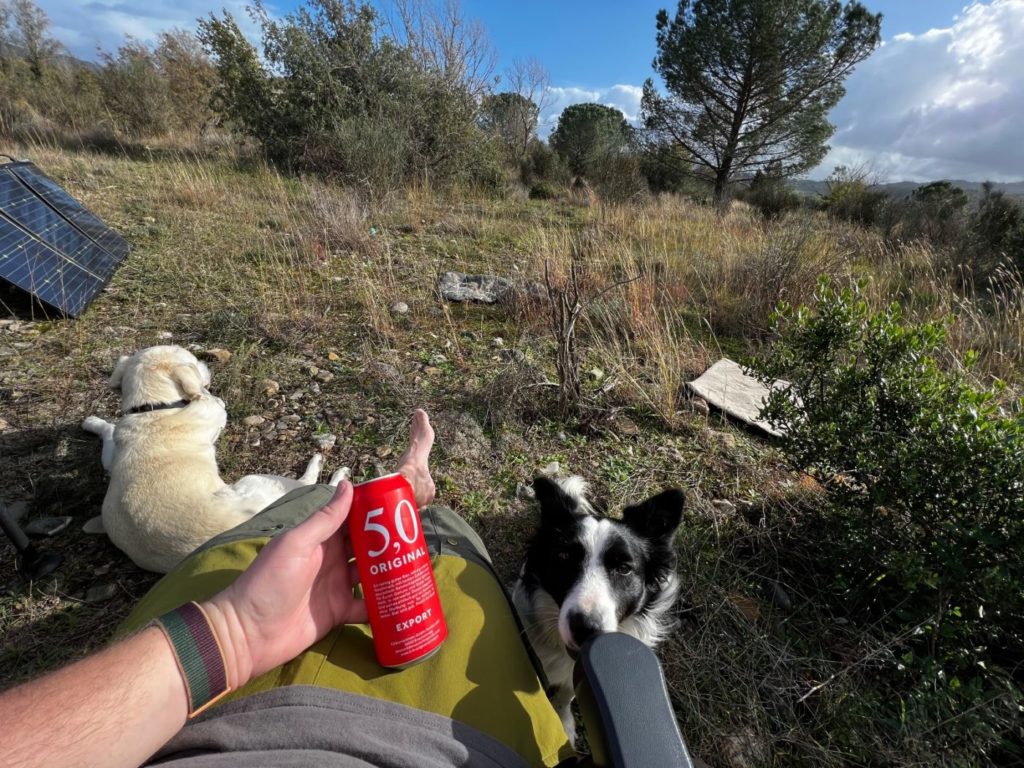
(341, 476)
(96, 425)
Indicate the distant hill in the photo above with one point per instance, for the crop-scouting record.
(899, 189)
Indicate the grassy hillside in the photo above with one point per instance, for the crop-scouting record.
(298, 282)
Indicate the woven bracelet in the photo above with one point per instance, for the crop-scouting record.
(198, 654)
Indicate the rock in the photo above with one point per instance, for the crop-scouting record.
(298, 394)
(383, 451)
(596, 374)
(16, 510)
(217, 354)
(699, 406)
(325, 376)
(47, 526)
(148, 220)
(281, 425)
(101, 592)
(253, 421)
(399, 308)
(778, 596)
(725, 385)
(326, 442)
(333, 356)
(724, 506)
(497, 342)
(463, 438)
(312, 370)
(525, 492)
(292, 418)
(438, 359)
(164, 335)
(4, 425)
(512, 356)
(745, 748)
(431, 370)
(488, 289)
(552, 470)
(624, 425)
(747, 606)
(270, 387)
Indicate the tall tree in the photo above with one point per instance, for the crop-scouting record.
(750, 82)
(31, 35)
(588, 134)
(513, 119)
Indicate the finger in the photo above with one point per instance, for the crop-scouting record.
(325, 522)
(357, 612)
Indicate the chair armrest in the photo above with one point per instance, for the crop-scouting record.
(625, 705)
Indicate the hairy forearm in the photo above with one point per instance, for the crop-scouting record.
(115, 708)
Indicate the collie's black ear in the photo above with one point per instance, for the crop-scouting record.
(555, 504)
(658, 517)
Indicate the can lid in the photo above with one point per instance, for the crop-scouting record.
(386, 482)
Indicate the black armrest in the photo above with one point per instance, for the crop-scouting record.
(625, 705)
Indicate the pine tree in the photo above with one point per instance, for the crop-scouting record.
(750, 82)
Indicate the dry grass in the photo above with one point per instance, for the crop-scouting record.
(293, 276)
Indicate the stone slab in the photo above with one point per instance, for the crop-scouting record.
(725, 386)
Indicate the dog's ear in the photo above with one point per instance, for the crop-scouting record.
(118, 374)
(188, 379)
(658, 517)
(556, 506)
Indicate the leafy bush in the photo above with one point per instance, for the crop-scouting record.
(336, 94)
(542, 190)
(997, 231)
(925, 537)
(852, 197)
(770, 195)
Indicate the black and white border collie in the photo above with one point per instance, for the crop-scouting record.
(586, 574)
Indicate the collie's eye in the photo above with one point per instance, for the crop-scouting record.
(624, 569)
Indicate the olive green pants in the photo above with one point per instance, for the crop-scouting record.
(483, 675)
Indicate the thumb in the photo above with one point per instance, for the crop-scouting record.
(326, 521)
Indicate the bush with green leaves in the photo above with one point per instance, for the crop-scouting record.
(924, 537)
(771, 195)
(335, 92)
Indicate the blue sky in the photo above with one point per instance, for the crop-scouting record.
(943, 97)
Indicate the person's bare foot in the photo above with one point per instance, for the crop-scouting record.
(413, 464)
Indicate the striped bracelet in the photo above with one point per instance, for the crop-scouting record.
(198, 654)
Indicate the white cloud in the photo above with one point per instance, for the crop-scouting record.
(948, 103)
(83, 27)
(625, 98)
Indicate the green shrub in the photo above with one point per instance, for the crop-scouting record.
(770, 195)
(332, 74)
(997, 231)
(542, 190)
(924, 539)
(852, 197)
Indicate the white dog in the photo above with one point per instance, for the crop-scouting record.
(166, 496)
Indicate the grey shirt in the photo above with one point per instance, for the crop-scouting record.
(321, 728)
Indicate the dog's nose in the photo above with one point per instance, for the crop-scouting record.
(583, 627)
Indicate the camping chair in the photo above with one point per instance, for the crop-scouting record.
(625, 705)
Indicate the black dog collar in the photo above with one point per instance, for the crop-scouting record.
(157, 407)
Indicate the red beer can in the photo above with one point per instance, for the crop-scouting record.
(395, 571)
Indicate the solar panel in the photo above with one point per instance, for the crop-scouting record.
(50, 244)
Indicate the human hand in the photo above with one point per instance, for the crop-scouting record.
(297, 589)
(413, 463)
